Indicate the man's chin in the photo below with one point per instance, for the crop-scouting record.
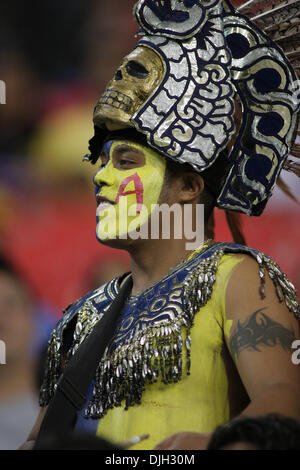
(115, 241)
(124, 240)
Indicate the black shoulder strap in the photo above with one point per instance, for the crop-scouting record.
(72, 388)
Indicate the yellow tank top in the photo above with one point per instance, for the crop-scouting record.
(199, 402)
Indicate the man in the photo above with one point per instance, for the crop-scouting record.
(265, 433)
(206, 335)
(18, 391)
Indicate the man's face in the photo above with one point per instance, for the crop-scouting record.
(128, 185)
(16, 322)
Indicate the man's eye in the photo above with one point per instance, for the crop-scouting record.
(126, 162)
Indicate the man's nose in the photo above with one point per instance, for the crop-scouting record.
(105, 176)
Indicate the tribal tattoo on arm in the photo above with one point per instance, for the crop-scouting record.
(260, 330)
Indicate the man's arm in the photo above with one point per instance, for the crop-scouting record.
(260, 341)
(30, 442)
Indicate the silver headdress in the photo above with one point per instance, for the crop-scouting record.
(197, 62)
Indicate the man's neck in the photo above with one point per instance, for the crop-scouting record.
(152, 260)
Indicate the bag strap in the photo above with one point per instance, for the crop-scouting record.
(72, 388)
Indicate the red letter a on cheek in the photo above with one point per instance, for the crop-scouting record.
(138, 191)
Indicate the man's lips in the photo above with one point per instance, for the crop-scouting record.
(103, 203)
(103, 200)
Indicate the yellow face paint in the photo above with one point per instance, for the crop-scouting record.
(131, 193)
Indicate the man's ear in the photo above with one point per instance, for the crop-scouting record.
(192, 187)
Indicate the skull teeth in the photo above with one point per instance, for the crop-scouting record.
(116, 99)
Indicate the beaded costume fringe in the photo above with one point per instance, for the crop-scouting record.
(157, 351)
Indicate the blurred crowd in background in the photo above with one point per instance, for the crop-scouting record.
(56, 59)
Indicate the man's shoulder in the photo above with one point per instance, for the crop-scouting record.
(228, 250)
(224, 256)
(233, 248)
(253, 259)
(251, 267)
(260, 276)
(92, 303)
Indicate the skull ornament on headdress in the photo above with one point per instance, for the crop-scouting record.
(178, 88)
(138, 75)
